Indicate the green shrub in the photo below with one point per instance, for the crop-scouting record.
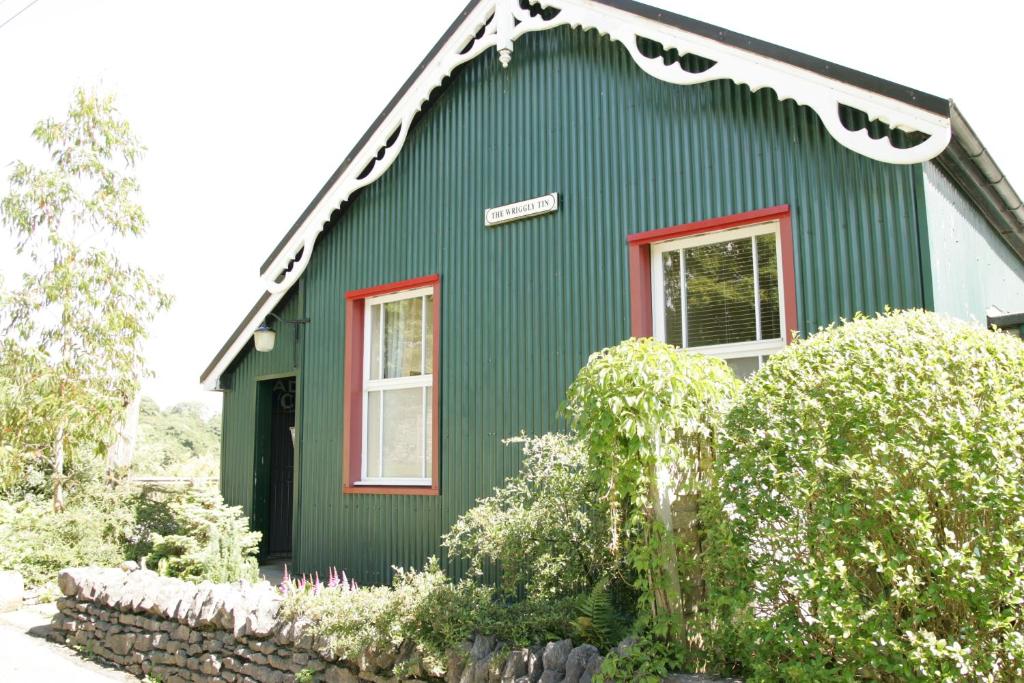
(198, 537)
(427, 609)
(38, 542)
(647, 414)
(545, 528)
(869, 520)
(187, 533)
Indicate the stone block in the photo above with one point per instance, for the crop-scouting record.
(576, 662)
(209, 665)
(535, 663)
(120, 643)
(555, 655)
(593, 666)
(282, 663)
(516, 665)
(339, 674)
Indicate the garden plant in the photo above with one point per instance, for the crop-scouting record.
(869, 512)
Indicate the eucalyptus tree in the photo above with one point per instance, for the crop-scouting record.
(71, 356)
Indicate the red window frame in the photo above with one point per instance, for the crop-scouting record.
(640, 299)
(352, 440)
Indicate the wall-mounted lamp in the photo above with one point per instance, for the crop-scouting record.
(264, 336)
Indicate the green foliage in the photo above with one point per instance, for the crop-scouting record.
(647, 415)
(38, 542)
(646, 660)
(188, 533)
(867, 519)
(182, 441)
(199, 538)
(427, 609)
(71, 350)
(545, 528)
(599, 622)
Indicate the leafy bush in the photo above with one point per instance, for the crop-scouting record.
(38, 542)
(197, 537)
(868, 521)
(188, 533)
(546, 527)
(426, 609)
(647, 415)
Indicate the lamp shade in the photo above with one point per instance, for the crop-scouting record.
(264, 337)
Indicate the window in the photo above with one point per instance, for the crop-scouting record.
(390, 397)
(722, 287)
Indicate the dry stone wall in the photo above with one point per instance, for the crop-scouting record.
(175, 631)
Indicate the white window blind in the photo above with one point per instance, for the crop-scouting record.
(719, 293)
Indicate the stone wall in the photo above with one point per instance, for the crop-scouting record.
(176, 631)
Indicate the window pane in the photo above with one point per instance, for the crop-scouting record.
(428, 337)
(428, 428)
(672, 296)
(403, 433)
(768, 279)
(720, 293)
(375, 342)
(402, 338)
(372, 464)
(743, 367)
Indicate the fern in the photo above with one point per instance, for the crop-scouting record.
(598, 622)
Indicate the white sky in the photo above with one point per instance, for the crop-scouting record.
(248, 107)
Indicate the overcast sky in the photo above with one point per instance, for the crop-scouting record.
(248, 107)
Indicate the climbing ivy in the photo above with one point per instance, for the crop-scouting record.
(647, 415)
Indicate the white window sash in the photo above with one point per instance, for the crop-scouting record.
(741, 349)
(726, 351)
(390, 384)
(399, 296)
(393, 481)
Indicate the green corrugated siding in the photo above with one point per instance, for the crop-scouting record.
(523, 305)
(973, 268)
(239, 416)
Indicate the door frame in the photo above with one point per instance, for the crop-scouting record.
(259, 514)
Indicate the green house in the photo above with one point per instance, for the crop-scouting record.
(551, 180)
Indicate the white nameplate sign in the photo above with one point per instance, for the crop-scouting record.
(524, 209)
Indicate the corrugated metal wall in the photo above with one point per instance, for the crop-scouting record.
(972, 267)
(239, 417)
(525, 304)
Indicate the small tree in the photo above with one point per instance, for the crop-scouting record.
(647, 415)
(71, 355)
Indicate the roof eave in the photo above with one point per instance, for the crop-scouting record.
(969, 164)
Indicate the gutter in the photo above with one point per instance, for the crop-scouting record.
(969, 163)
